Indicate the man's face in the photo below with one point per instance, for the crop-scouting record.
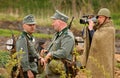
(56, 25)
(30, 28)
(101, 19)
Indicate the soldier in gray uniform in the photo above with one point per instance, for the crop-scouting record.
(61, 47)
(26, 43)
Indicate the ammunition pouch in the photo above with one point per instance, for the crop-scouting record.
(56, 66)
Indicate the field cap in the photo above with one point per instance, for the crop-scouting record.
(60, 16)
(29, 19)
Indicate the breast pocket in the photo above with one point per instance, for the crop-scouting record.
(31, 48)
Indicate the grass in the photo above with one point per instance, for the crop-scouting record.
(42, 21)
(9, 17)
(3, 58)
(44, 9)
(8, 33)
(47, 36)
(116, 20)
(45, 20)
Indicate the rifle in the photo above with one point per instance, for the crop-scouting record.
(75, 66)
(19, 72)
(16, 69)
(10, 44)
(14, 43)
(69, 26)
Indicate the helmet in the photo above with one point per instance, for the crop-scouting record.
(104, 12)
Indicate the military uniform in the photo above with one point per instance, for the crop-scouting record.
(61, 48)
(26, 43)
(99, 59)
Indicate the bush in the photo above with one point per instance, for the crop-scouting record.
(118, 65)
(4, 56)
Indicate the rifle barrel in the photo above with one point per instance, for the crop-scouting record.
(70, 23)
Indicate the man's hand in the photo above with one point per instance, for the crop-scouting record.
(48, 56)
(42, 62)
(91, 24)
(30, 74)
(42, 52)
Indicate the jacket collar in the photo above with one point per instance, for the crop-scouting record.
(61, 32)
(29, 36)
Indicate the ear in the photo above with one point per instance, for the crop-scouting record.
(23, 25)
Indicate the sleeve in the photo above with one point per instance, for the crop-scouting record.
(67, 44)
(22, 45)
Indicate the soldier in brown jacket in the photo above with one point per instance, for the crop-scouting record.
(100, 57)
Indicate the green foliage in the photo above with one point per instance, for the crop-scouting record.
(116, 20)
(9, 17)
(8, 33)
(4, 56)
(1, 76)
(44, 9)
(28, 7)
(13, 61)
(86, 72)
(118, 65)
(44, 21)
(47, 36)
